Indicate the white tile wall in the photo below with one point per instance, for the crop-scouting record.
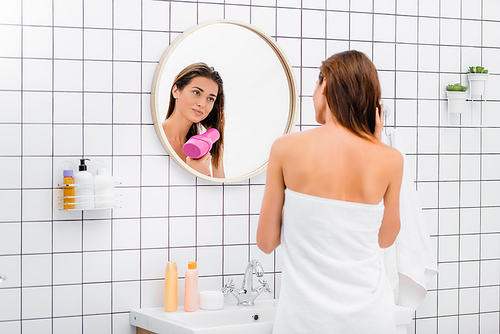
(75, 80)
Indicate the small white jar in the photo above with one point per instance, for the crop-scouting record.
(211, 300)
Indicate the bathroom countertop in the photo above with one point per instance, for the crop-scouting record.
(230, 319)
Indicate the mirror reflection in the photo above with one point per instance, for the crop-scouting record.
(197, 105)
(225, 84)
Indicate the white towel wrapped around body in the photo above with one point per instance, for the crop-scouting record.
(333, 278)
(411, 261)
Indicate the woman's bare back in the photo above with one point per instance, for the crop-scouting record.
(332, 162)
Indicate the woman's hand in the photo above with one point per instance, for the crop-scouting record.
(201, 165)
(379, 122)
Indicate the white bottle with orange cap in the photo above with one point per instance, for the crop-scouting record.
(191, 288)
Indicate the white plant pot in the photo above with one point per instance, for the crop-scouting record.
(477, 83)
(456, 101)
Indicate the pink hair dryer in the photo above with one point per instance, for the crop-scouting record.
(199, 145)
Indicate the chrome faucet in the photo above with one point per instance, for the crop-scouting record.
(247, 294)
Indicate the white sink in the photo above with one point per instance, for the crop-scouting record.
(231, 319)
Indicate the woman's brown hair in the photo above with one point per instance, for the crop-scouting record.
(352, 91)
(215, 118)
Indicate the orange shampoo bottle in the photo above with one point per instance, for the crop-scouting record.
(68, 190)
(171, 278)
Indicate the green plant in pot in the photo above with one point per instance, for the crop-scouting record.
(477, 69)
(457, 94)
(456, 88)
(478, 76)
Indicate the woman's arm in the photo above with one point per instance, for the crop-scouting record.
(391, 223)
(269, 229)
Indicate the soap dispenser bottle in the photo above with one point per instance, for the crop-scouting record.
(84, 187)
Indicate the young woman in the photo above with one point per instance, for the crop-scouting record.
(332, 201)
(196, 101)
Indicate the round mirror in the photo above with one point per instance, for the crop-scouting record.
(259, 92)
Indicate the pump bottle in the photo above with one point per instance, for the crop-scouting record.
(84, 187)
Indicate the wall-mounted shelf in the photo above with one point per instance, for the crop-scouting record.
(88, 203)
(90, 193)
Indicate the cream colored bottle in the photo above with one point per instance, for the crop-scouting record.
(171, 279)
(191, 288)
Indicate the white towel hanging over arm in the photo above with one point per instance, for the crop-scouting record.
(411, 261)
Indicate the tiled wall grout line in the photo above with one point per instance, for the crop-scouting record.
(438, 184)
(417, 94)
(141, 167)
(301, 66)
(414, 324)
(395, 67)
(459, 189)
(83, 155)
(112, 233)
(53, 139)
(350, 21)
(21, 167)
(299, 117)
(480, 183)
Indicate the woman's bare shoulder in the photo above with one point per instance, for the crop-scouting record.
(290, 141)
(280, 145)
(392, 156)
(297, 136)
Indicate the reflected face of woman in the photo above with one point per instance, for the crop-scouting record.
(196, 100)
